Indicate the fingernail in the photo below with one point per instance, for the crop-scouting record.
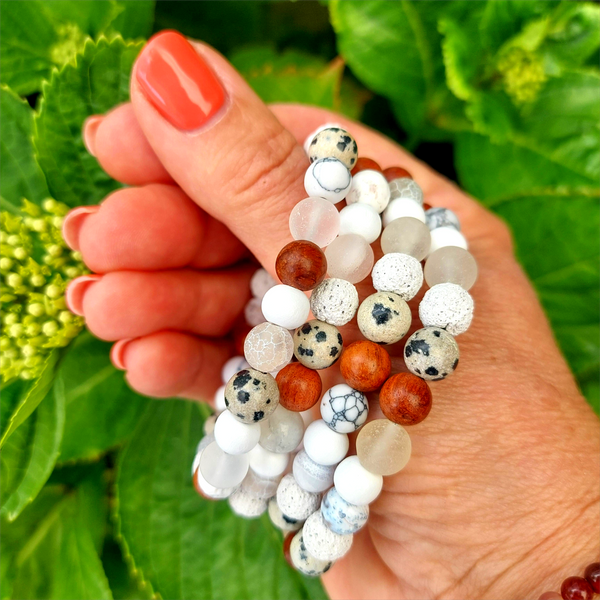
(117, 353)
(76, 291)
(90, 128)
(178, 82)
(72, 224)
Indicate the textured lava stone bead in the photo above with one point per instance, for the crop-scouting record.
(295, 502)
(384, 318)
(344, 409)
(303, 561)
(317, 345)
(365, 366)
(405, 399)
(448, 306)
(301, 264)
(576, 588)
(335, 301)
(245, 505)
(334, 142)
(341, 516)
(299, 387)
(321, 542)
(398, 273)
(251, 395)
(280, 520)
(431, 353)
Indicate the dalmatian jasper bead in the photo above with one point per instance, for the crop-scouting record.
(334, 142)
(384, 318)
(448, 306)
(303, 561)
(341, 516)
(245, 505)
(405, 187)
(431, 353)
(321, 542)
(334, 301)
(281, 521)
(328, 178)
(344, 409)
(441, 217)
(251, 396)
(398, 273)
(293, 501)
(317, 345)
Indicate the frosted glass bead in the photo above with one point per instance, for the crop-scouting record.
(260, 283)
(251, 396)
(431, 353)
(253, 312)
(344, 409)
(323, 445)
(384, 318)
(303, 561)
(321, 542)
(354, 483)
(398, 273)
(221, 469)
(311, 476)
(310, 136)
(441, 217)
(280, 520)
(406, 236)
(219, 399)
(333, 142)
(203, 443)
(245, 505)
(447, 236)
(267, 464)
(295, 502)
(316, 220)
(451, 264)
(405, 187)
(234, 437)
(341, 516)
(447, 306)
(282, 431)
(369, 187)
(317, 345)
(403, 207)
(210, 491)
(209, 424)
(328, 178)
(334, 301)
(361, 219)
(285, 306)
(383, 447)
(232, 366)
(259, 487)
(268, 347)
(349, 257)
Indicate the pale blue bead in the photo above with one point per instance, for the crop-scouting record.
(341, 516)
(441, 217)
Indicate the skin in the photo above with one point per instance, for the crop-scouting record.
(501, 498)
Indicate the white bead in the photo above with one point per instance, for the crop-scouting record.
(362, 219)
(447, 236)
(246, 506)
(328, 178)
(403, 207)
(281, 521)
(323, 445)
(334, 301)
(398, 273)
(441, 217)
(259, 487)
(295, 502)
(268, 347)
(209, 424)
(305, 563)
(315, 220)
(221, 469)
(233, 436)
(354, 483)
(447, 306)
(267, 464)
(321, 542)
(369, 187)
(203, 443)
(219, 399)
(405, 187)
(311, 135)
(210, 490)
(232, 366)
(285, 306)
(253, 312)
(349, 257)
(344, 409)
(261, 283)
(282, 431)
(311, 476)
(341, 516)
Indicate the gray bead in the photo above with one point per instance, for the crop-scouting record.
(384, 318)
(334, 301)
(431, 353)
(251, 396)
(334, 142)
(441, 217)
(312, 476)
(398, 273)
(341, 516)
(405, 187)
(303, 561)
(448, 306)
(293, 501)
(317, 345)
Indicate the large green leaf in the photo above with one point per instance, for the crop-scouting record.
(184, 546)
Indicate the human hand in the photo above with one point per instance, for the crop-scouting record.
(501, 496)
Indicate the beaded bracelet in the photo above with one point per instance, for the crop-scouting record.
(578, 588)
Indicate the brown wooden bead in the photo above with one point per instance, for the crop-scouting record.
(302, 265)
(299, 387)
(362, 164)
(405, 399)
(287, 542)
(365, 366)
(198, 488)
(392, 173)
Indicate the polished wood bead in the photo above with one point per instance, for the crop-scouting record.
(362, 164)
(301, 264)
(576, 588)
(199, 489)
(365, 366)
(405, 399)
(287, 542)
(299, 387)
(392, 173)
(592, 575)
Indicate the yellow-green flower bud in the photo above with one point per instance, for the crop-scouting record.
(37, 309)
(15, 330)
(49, 205)
(5, 263)
(28, 350)
(53, 291)
(20, 253)
(14, 280)
(11, 319)
(54, 250)
(37, 280)
(66, 316)
(13, 240)
(72, 272)
(32, 330)
(49, 328)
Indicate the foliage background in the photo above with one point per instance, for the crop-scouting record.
(502, 96)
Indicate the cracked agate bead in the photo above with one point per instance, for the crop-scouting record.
(334, 301)
(303, 561)
(328, 178)
(406, 236)
(349, 257)
(268, 347)
(311, 476)
(251, 396)
(301, 264)
(283, 523)
(384, 318)
(447, 306)
(344, 409)
(282, 431)
(295, 502)
(451, 265)
(404, 187)
(317, 345)
(405, 399)
(398, 273)
(341, 516)
(321, 542)
(431, 353)
(365, 366)
(369, 187)
(315, 220)
(336, 143)
(299, 387)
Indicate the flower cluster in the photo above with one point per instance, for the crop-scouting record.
(522, 74)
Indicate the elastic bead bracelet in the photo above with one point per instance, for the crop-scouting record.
(578, 588)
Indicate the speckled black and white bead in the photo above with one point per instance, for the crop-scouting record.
(405, 187)
(334, 301)
(328, 178)
(312, 476)
(344, 409)
(305, 562)
(398, 273)
(317, 345)
(384, 318)
(246, 505)
(321, 542)
(293, 501)
(281, 521)
(251, 396)
(334, 142)
(448, 306)
(341, 516)
(441, 217)
(431, 353)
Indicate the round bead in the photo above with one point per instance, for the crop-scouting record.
(317, 345)
(447, 306)
(310, 136)
(383, 447)
(245, 505)
(303, 561)
(328, 178)
(316, 220)
(301, 264)
(234, 437)
(334, 142)
(260, 283)
(268, 347)
(363, 163)
(209, 424)
(576, 588)
(384, 318)
(210, 491)
(259, 487)
(285, 306)
(334, 301)
(451, 265)
(219, 399)
(299, 387)
(398, 273)
(280, 521)
(405, 399)
(369, 187)
(403, 207)
(209, 438)
(232, 366)
(365, 366)
(431, 353)
(361, 219)
(407, 236)
(251, 396)
(592, 576)
(223, 470)
(349, 257)
(311, 476)
(550, 596)
(282, 431)
(295, 502)
(344, 409)
(404, 187)
(340, 516)
(392, 173)
(355, 484)
(441, 217)
(253, 312)
(267, 464)
(323, 445)
(447, 236)
(321, 542)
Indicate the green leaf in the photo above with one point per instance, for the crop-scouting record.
(123, 583)
(98, 82)
(184, 546)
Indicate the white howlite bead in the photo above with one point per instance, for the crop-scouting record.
(447, 306)
(355, 484)
(233, 436)
(261, 283)
(281, 521)
(323, 445)
(253, 312)
(232, 366)
(328, 178)
(334, 301)
(403, 207)
(447, 236)
(295, 502)
(267, 464)
(221, 469)
(344, 409)
(219, 399)
(361, 219)
(321, 542)
(441, 217)
(311, 476)
(303, 561)
(398, 273)
(268, 347)
(259, 487)
(369, 187)
(282, 431)
(405, 187)
(311, 135)
(246, 506)
(209, 424)
(210, 490)
(285, 306)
